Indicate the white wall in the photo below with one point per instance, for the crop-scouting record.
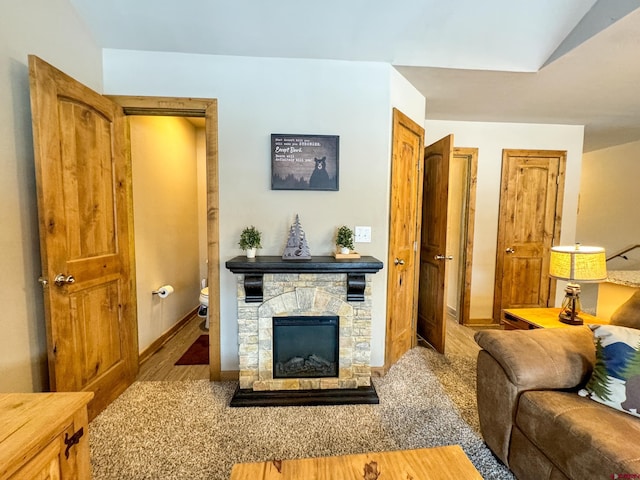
(165, 207)
(51, 30)
(608, 217)
(406, 98)
(491, 139)
(609, 199)
(261, 96)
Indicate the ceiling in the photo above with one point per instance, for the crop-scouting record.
(544, 61)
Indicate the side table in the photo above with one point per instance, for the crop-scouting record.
(530, 318)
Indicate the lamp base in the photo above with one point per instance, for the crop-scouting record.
(576, 320)
(571, 305)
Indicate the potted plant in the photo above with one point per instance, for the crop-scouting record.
(250, 241)
(344, 239)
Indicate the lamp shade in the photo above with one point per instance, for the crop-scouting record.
(578, 263)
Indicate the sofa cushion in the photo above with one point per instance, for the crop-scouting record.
(584, 439)
(628, 314)
(615, 380)
(542, 358)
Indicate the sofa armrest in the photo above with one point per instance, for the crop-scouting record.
(555, 358)
(514, 361)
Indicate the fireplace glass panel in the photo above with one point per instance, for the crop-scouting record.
(305, 346)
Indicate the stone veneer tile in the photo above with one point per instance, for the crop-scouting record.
(345, 309)
(322, 299)
(363, 381)
(329, 383)
(309, 383)
(346, 362)
(290, 303)
(248, 339)
(362, 370)
(305, 299)
(346, 372)
(347, 383)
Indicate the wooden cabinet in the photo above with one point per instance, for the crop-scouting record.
(44, 436)
(530, 318)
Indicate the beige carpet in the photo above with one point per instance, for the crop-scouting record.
(185, 430)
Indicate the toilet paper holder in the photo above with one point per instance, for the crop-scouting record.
(163, 292)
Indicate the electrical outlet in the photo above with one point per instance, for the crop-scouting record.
(363, 234)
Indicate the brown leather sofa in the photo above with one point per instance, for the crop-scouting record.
(531, 416)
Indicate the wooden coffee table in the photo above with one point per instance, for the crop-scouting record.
(440, 463)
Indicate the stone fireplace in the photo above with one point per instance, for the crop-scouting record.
(304, 306)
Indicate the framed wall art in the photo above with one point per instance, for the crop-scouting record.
(304, 162)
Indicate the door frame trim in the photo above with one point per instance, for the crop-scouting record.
(208, 109)
(469, 213)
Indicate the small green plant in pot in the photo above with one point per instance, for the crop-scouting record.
(250, 241)
(344, 239)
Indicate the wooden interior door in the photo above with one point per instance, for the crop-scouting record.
(404, 233)
(532, 190)
(432, 305)
(83, 180)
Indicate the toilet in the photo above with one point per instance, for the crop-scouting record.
(204, 305)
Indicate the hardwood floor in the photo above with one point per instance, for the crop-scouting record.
(160, 366)
(459, 340)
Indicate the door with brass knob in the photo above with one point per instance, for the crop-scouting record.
(530, 218)
(84, 200)
(406, 188)
(432, 305)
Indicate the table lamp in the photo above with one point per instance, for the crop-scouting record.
(576, 264)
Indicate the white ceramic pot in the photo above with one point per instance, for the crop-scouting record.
(344, 250)
(251, 252)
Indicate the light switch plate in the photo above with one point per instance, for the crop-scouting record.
(363, 234)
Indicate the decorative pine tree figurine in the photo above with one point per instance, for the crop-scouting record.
(599, 382)
(631, 376)
(632, 368)
(297, 248)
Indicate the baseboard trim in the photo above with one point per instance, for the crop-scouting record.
(165, 337)
(481, 322)
(229, 375)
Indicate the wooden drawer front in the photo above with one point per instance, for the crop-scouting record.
(514, 323)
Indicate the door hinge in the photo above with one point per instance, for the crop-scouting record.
(415, 245)
(72, 440)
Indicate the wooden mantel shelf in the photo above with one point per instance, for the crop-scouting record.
(255, 268)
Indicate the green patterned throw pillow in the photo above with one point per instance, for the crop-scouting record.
(615, 380)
